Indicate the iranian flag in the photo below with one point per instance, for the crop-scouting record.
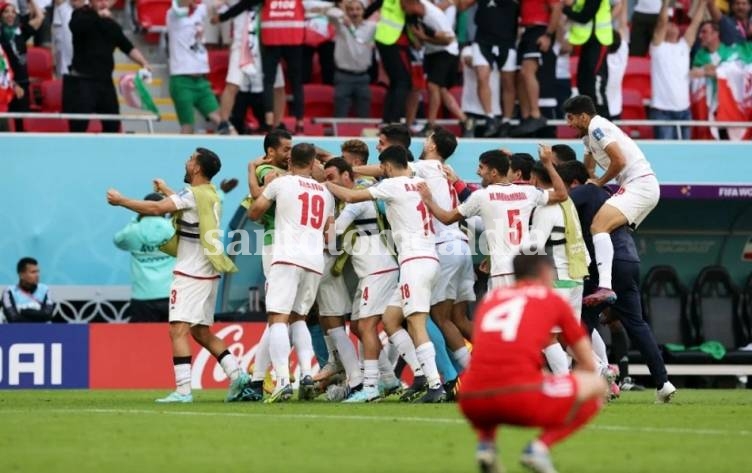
(735, 92)
(701, 103)
(6, 82)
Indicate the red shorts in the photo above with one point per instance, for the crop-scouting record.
(544, 401)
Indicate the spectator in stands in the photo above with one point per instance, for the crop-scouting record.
(189, 64)
(735, 27)
(618, 57)
(62, 38)
(151, 270)
(711, 53)
(7, 86)
(15, 31)
(471, 104)
(319, 40)
(669, 72)
(29, 300)
(591, 29)
(563, 75)
(644, 19)
(353, 48)
(540, 19)
(88, 86)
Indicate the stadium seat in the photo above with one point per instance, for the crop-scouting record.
(351, 129)
(633, 108)
(52, 95)
(566, 132)
(319, 100)
(151, 16)
(637, 76)
(219, 60)
(378, 97)
(40, 64)
(52, 125)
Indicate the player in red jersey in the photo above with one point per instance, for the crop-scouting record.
(505, 383)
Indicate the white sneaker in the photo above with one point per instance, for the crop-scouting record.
(537, 459)
(665, 394)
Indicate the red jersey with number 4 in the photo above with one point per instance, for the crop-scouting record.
(512, 327)
(536, 12)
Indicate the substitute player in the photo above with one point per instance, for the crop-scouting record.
(504, 383)
(638, 194)
(304, 212)
(198, 267)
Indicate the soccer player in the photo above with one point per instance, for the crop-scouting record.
(393, 135)
(520, 167)
(198, 267)
(304, 212)
(419, 264)
(505, 209)
(589, 199)
(504, 383)
(638, 194)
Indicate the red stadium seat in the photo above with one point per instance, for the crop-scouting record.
(637, 76)
(40, 63)
(52, 95)
(633, 108)
(378, 96)
(565, 132)
(351, 129)
(53, 125)
(219, 60)
(152, 14)
(319, 100)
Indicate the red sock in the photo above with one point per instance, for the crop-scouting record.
(486, 434)
(556, 434)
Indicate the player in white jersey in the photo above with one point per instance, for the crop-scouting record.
(505, 209)
(376, 268)
(419, 264)
(196, 275)
(304, 212)
(621, 159)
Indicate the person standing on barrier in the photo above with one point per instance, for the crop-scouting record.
(29, 300)
(88, 86)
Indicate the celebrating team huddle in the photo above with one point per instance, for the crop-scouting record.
(397, 225)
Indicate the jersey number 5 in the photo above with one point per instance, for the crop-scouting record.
(313, 205)
(515, 226)
(505, 318)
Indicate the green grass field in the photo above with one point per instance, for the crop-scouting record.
(124, 431)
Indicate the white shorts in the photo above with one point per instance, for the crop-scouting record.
(510, 65)
(502, 280)
(333, 298)
(373, 294)
(267, 253)
(573, 295)
(457, 276)
(213, 33)
(237, 77)
(637, 198)
(291, 289)
(416, 280)
(193, 300)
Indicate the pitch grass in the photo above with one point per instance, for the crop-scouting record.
(124, 431)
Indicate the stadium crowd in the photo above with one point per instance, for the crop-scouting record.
(481, 62)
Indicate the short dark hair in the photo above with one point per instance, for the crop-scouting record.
(580, 104)
(396, 134)
(356, 147)
(522, 162)
(24, 262)
(564, 153)
(541, 172)
(154, 197)
(302, 155)
(274, 138)
(530, 266)
(397, 155)
(341, 165)
(572, 171)
(712, 23)
(495, 159)
(445, 142)
(208, 161)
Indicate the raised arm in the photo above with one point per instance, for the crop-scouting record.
(349, 195)
(260, 205)
(143, 207)
(659, 34)
(370, 170)
(690, 35)
(559, 194)
(715, 12)
(235, 10)
(444, 216)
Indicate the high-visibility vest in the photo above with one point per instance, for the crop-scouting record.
(579, 33)
(282, 23)
(391, 23)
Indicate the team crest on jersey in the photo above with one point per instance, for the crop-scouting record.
(598, 134)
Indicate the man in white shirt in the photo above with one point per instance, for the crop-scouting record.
(619, 156)
(193, 294)
(617, 58)
(304, 213)
(669, 72)
(415, 242)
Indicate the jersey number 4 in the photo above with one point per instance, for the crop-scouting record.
(313, 210)
(505, 318)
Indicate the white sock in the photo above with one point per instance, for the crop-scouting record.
(599, 350)
(557, 358)
(183, 378)
(301, 338)
(347, 355)
(370, 373)
(331, 349)
(462, 356)
(231, 366)
(427, 357)
(604, 256)
(262, 358)
(279, 350)
(386, 370)
(404, 345)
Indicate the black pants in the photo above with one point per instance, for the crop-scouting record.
(628, 307)
(326, 61)
(396, 62)
(643, 26)
(20, 105)
(592, 74)
(84, 95)
(293, 56)
(243, 101)
(154, 310)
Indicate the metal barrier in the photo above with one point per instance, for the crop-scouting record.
(148, 118)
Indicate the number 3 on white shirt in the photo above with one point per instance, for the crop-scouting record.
(505, 318)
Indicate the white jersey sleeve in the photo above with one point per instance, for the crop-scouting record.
(601, 134)
(184, 199)
(472, 206)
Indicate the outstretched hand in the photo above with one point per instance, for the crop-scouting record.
(114, 197)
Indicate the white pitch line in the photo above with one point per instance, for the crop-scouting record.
(426, 420)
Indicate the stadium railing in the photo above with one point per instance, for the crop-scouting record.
(148, 118)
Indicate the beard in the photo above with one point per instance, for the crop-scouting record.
(187, 178)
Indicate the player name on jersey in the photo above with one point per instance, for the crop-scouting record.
(507, 197)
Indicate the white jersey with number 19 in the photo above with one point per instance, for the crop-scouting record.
(303, 207)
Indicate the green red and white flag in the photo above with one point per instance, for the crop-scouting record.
(735, 92)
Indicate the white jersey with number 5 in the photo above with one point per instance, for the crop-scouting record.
(409, 217)
(602, 133)
(443, 194)
(303, 207)
(505, 210)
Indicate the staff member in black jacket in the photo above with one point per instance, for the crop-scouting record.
(88, 87)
